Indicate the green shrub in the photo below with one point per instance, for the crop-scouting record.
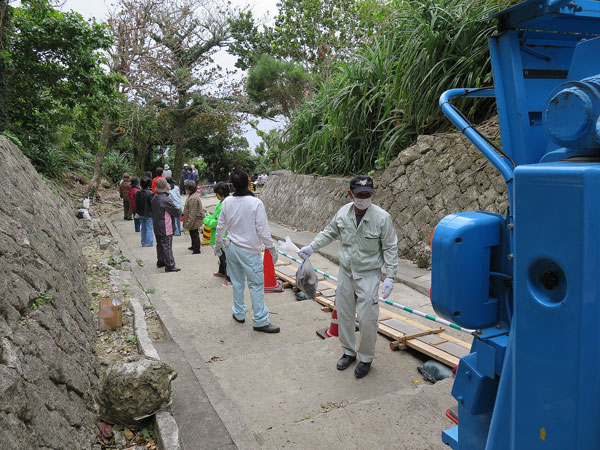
(116, 164)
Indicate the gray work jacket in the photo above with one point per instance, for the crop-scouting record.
(366, 248)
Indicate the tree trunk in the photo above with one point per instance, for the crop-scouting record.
(104, 147)
(179, 141)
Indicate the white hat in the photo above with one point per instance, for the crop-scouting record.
(185, 165)
(193, 166)
(166, 166)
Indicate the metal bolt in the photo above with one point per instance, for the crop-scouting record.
(510, 256)
(460, 399)
(511, 226)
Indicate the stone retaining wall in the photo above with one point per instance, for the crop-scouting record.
(48, 368)
(439, 175)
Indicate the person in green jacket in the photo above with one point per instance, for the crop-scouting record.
(211, 221)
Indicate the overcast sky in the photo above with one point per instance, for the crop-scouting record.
(260, 8)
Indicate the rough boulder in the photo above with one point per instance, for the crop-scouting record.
(48, 369)
(135, 389)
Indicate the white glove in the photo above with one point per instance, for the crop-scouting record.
(218, 248)
(273, 253)
(305, 252)
(388, 285)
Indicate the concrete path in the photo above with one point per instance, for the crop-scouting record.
(282, 390)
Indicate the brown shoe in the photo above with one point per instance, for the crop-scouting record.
(219, 274)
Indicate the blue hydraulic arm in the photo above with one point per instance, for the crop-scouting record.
(528, 281)
(463, 125)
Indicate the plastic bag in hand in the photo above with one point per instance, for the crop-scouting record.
(306, 279)
(287, 245)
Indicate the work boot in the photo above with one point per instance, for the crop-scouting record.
(362, 369)
(345, 361)
(172, 269)
(268, 329)
(238, 320)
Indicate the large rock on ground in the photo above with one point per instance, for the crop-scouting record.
(48, 369)
(135, 389)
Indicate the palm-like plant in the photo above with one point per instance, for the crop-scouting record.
(372, 108)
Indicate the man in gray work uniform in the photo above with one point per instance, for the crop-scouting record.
(368, 242)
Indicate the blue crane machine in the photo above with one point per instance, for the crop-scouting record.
(529, 281)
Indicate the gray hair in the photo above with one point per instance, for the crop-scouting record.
(190, 185)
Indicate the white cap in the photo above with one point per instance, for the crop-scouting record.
(185, 165)
(166, 166)
(193, 166)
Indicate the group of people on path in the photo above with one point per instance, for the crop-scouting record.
(240, 232)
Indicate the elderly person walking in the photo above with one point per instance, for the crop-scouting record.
(167, 172)
(193, 214)
(164, 213)
(124, 194)
(368, 242)
(243, 216)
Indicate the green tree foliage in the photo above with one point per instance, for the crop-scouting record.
(314, 33)
(277, 87)
(369, 110)
(269, 151)
(175, 71)
(53, 83)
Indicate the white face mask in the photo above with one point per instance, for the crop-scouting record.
(362, 203)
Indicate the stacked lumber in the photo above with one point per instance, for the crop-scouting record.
(404, 332)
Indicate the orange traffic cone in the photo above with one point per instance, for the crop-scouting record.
(205, 235)
(271, 283)
(332, 331)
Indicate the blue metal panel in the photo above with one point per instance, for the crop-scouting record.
(557, 340)
(527, 66)
(534, 388)
(473, 390)
(486, 359)
(450, 437)
(459, 241)
(586, 61)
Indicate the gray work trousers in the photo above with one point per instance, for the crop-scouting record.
(164, 251)
(358, 297)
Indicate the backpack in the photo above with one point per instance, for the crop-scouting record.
(142, 202)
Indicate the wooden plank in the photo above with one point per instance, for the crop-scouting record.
(396, 326)
(407, 337)
(433, 352)
(402, 327)
(328, 293)
(432, 339)
(464, 344)
(324, 301)
(389, 332)
(287, 271)
(324, 285)
(452, 348)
